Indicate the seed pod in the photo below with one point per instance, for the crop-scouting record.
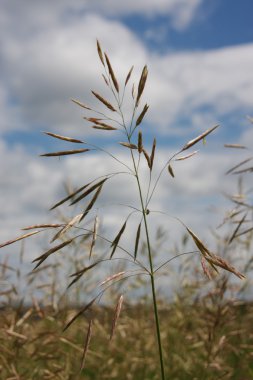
(147, 157)
(129, 75)
(137, 239)
(171, 171)
(140, 146)
(141, 85)
(116, 315)
(115, 82)
(152, 156)
(142, 114)
(100, 53)
(127, 145)
(104, 101)
(104, 127)
(64, 153)
(60, 137)
(200, 137)
(80, 104)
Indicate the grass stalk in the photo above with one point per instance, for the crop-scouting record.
(90, 192)
(152, 280)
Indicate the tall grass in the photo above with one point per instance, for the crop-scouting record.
(111, 119)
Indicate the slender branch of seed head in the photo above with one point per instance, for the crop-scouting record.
(123, 95)
(119, 280)
(174, 257)
(138, 163)
(148, 190)
(116, 96)
(109, 154)
(125, 275)
(168, 215)
(132, 120)
(137, 262)
(119, 204)
(123, 119)
(108, 117)
(159, 175)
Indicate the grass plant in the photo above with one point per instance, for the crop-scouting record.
(109, 118)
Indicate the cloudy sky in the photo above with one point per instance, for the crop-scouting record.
(199, 55)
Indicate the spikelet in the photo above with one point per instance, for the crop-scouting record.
(116, 315)
(142, 114)
(170, 170)
(104, 101)
(100, 53)
(129, 75)
(141, 85)
(111, 72)
(198, 138)
(140, 145)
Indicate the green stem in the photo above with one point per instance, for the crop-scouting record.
(157, 323)
(151, 273)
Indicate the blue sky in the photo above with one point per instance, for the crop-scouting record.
(217, 24)
(200, 58)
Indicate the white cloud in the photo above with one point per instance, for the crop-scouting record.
(183, 83)
(41, 74)
(41, 71)
(49, 55)
(181, 12)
